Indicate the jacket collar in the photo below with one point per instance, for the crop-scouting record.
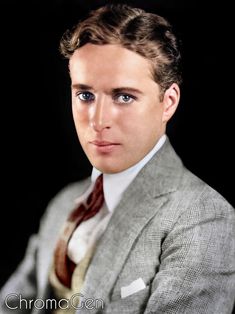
(162, 173)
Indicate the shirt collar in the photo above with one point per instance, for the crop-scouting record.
(115, 184)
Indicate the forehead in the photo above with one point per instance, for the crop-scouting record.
(108, 64)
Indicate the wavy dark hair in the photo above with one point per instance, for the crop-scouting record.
(147, 34)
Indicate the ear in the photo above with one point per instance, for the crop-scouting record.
(170, 102)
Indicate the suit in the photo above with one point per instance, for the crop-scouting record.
(170, 229)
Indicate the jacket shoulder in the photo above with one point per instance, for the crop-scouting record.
(197, 194)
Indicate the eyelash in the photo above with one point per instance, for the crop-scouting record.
(85, 100)
(115, 97)
(132, 98)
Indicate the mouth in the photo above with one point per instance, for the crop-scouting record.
(104, 146)
(103, 143)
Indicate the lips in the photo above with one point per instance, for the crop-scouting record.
(103, 143)
(104, 147)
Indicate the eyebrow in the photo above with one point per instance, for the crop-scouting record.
(84, 87)
(126, 89)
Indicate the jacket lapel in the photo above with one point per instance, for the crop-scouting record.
(141, 201)
(51, 228)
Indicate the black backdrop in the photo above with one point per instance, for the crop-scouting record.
(40, 151)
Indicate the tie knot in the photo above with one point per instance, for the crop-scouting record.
(97, 194)
(96, 199)
(98, 187)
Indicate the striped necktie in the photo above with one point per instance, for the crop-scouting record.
(85, 210)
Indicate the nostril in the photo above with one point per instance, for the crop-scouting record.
(100, 126)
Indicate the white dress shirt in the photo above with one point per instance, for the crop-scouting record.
(114, 185)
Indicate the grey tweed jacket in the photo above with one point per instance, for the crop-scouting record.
(170, 229)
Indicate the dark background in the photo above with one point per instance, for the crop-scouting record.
(40, 151)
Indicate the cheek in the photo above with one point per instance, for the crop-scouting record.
(80, 114)
(141, 123)
(80, 122)
(143, 133)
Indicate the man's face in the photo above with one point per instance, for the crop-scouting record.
(116, 107)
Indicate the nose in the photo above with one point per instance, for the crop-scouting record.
(100, 117)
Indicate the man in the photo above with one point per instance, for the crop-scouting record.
(161, 240)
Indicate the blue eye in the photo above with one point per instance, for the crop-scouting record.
(124, 98)
(86, 96)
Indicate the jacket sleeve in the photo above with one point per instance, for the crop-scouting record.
(21, 283)
(24, 282)
(197, 271)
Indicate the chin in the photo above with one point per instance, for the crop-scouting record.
(108, 168)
